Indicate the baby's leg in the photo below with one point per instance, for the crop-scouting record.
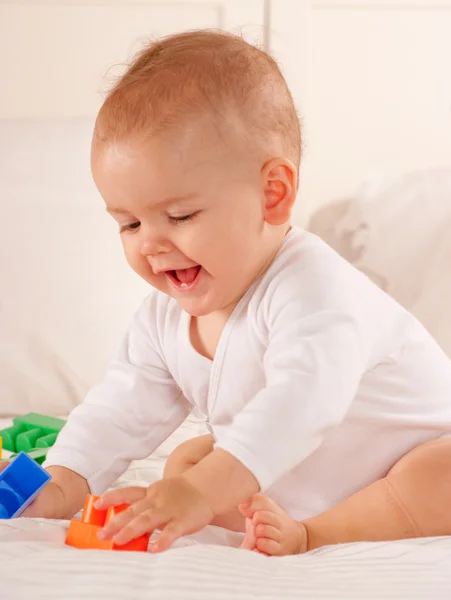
(186, 456)
(413, 500)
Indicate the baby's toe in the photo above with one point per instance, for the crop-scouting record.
(267, 517)
(269, 547)
(259, 502)
(264, 503)
(269, 532)
(249, 539)
(280, 528)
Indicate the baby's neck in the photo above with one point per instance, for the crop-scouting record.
(205, 332)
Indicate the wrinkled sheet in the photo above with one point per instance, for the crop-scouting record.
(35, 563)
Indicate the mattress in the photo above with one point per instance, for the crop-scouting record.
(35, 563)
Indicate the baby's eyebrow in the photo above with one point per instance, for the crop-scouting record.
(175, 200)
(117, 211)
(160, 203)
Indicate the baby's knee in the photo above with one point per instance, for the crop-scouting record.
(422, 482)
(430, 459)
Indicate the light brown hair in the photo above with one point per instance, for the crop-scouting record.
(182, 77)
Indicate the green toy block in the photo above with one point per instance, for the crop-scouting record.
(32, 433)
(37, 454)
(47, 424)
(26, 440)
(47, 441)
(9, 436)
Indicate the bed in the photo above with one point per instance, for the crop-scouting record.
(62, 314)
(36, 564)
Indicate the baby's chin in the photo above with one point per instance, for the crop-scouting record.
(199, 302)
(196, 307)
(203, 305)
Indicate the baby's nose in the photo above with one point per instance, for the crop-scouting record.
(152, 247)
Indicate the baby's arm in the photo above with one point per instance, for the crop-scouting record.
(312, 373)
(312, 377)
(122, 419)
(313, 366)
(222, 480)
(315, 359)
(62, 497)
(52, 503)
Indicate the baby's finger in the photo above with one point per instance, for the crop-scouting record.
(117, 524)
(133, 513)
(145, 522)
(127, 495)
(3, 465)
(168, 536)
(123, 519)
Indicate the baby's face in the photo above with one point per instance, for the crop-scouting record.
(191, 218)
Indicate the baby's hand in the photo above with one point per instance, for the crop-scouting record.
(172, 505)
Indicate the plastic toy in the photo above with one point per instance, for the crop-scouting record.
(33, 434)
(83, 533)
(20, 482)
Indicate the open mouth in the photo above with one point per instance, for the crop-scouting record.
(184, 279)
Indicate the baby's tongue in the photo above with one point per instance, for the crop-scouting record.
(187, 275)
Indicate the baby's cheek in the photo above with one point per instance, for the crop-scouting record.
(139, 264)
(135, 259)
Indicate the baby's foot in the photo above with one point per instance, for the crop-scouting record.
(270, 530)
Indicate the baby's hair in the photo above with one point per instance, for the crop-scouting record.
(185, 76)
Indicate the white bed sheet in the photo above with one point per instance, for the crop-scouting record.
(35, 563)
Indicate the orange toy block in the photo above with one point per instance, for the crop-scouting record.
(83, 533)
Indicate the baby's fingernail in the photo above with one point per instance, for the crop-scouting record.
(101, 534)
(98, 503)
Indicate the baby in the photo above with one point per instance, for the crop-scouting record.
(314, 383)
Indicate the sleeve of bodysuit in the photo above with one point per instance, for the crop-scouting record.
(313, 366)
(129, 414)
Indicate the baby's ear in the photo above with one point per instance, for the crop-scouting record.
(280, 185)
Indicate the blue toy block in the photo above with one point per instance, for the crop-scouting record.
(20, 483)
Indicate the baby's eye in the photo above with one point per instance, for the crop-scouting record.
(129, 227)
(183, 219)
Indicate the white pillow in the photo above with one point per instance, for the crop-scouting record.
(66, 293)
(396, 230)
(33, 377)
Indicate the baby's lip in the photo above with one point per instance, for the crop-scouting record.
(158, 270)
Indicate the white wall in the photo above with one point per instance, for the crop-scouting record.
(58, 57)
(373, 85)
(370, 77)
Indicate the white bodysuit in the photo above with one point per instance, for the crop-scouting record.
(320, 383)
